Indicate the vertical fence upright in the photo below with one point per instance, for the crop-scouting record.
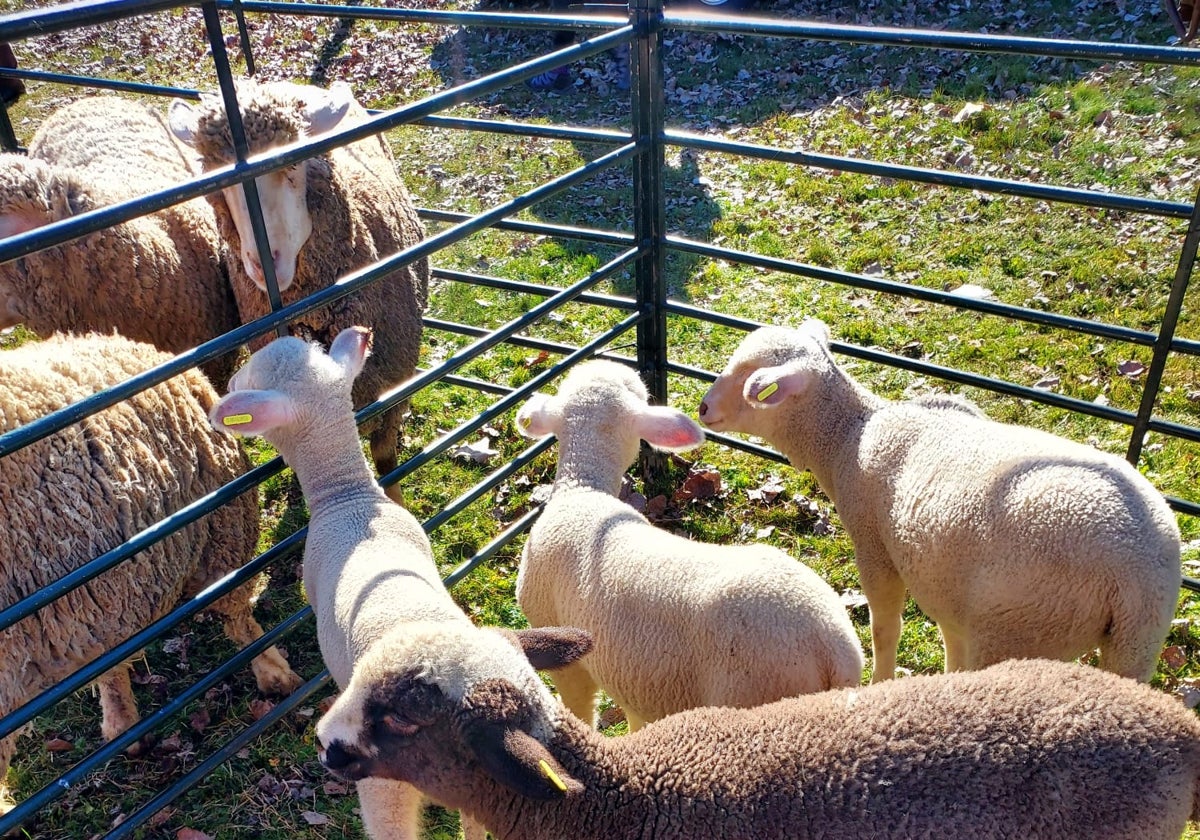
(649, 201)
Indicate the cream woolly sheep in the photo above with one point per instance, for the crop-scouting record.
(1016, 542)
(677, 623)
(325, 218)
(1030, 749)
(368, 566)
(156, 278)
(90, 487)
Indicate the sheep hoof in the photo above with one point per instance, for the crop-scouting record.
(273, 675)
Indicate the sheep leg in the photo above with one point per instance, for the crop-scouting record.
(118, 708)
(271, 671)
(383, 447)
(472, 830)
(633, 721)
(578, 692)
(8, 746)
(390, 810)
(885, 594)
(956, 647)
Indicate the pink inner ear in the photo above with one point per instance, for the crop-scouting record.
(667, 428)
(14, 223)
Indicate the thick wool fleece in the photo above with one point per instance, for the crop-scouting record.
(90, 487)
(1024, 750)
(1018, 543)
(676, 623)
(156, 278)
(361, 213)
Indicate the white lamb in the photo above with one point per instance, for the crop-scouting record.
(1016, 542)
(1034, 749)
(325, 218)
(368, 566)
(677, 623)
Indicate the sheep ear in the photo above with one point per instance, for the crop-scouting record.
(325, 110)
(517, 760)
(538, 417)
(816, 328)
(548, 648)
(768, 387)
(181, 117)
(350, 349)
(668, 429)
(252, 412)
(14, 223)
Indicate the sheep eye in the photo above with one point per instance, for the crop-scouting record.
(395, 724)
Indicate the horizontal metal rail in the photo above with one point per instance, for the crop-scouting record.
(928, 38)
(937, 177)
(526, 288)
(25, 435)
(48, 20)
(499, 20)
(875, 284)
(545, 132)
(606, 237)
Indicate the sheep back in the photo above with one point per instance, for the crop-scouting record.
(157, 278)
(88, 488)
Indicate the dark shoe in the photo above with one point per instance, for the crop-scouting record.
(556, 79)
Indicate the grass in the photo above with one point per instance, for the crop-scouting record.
(1114, 128)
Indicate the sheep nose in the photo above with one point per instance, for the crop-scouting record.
(703, 408)
(335, 756)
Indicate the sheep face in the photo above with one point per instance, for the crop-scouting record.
(435, 704)
(32, 195)
(605, 403)
(274, 115)
(287, 381)
(770, 366)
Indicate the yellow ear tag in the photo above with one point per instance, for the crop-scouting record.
(552, 776)
(768, 391)
(237, 420)
(524, 424)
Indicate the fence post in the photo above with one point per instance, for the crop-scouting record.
(1166, 333)
(649, 202)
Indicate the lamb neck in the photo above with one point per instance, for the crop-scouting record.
(597, 466)
(332, 469)
(823, 434)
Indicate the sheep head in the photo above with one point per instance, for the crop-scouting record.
(32, 195)
(433, 704)
(289, 380)
(770, 366)
(274, 115)
(604, 404)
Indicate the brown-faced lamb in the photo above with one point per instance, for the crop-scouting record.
(90, 487)
(325, 218)
(1030, 749)
(677, 623)
(1018, 543)
(368, 566)
(157, 278)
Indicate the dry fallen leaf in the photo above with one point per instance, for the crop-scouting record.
(480, 451)
(1131, 369)
(59, 745)
(1174, 657)
(314, 818)
(191, 834)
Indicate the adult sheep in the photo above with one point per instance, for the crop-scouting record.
(1018, 543)
(325, 218)
(677, 623)
(1032, 749)
(92, 486)
(156, 278)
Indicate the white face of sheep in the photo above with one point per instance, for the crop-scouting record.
(771, 365)
(435, 705)
(282, 193)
